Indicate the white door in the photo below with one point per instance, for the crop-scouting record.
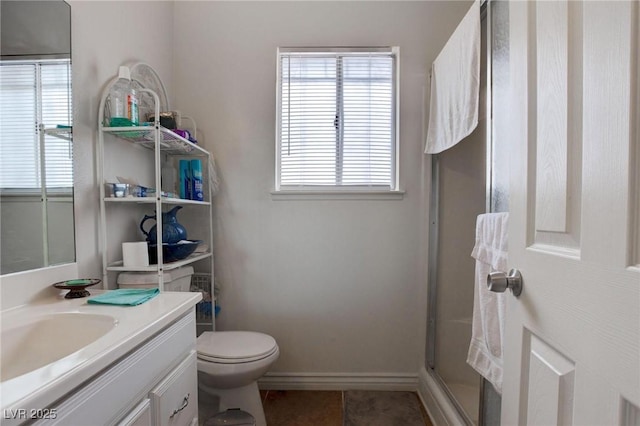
(572, 338)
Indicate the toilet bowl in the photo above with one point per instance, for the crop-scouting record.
(229, 365)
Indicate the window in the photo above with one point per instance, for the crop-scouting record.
(337, 121)
(35, 96)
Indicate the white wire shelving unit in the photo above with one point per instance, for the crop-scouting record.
(159, 141)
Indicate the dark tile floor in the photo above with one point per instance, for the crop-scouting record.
(348, 408)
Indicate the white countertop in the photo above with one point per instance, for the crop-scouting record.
(134, 325)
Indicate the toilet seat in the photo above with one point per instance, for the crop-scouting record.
(234, 347)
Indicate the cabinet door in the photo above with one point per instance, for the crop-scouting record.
(127, 380)
(175, 400)
(139, 416)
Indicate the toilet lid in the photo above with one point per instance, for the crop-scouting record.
(235, 346)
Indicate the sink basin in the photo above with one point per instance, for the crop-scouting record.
(29, 346)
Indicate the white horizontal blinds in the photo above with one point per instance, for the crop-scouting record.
(55, 104)
(308, 142)
(31, 94)
(19, 153)
(367, 111)
(336, 119)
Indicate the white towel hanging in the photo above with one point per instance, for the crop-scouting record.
(455, 86)
(487, 334)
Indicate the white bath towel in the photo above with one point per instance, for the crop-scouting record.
(487, 335)
(455, 86)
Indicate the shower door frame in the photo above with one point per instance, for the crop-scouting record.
(434, 222)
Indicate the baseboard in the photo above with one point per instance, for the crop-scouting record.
(436, 402)
(339, 381)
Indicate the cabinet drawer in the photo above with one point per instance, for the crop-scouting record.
(139, 416)
(175, 400)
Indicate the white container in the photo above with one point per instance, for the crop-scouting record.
(175, 280)
(135, 254)
(123, 101)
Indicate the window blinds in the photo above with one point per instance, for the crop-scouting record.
(336, 119)
(32, 94)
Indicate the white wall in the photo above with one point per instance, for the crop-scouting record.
(338, 283)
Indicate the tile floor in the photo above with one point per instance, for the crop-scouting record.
(336, 408)
(348, 408)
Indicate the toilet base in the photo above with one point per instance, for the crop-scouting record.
(247, 398)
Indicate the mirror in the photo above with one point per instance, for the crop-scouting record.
(36, 144)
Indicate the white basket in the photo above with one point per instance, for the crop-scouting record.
(208, 305)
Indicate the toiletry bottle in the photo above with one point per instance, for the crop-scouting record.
(196, 180)
(123, 102)
(185, 180)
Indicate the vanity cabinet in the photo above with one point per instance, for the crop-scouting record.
(164, 147)
(155, 384)
(139, 416)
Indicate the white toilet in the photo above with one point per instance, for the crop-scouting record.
(229, 365)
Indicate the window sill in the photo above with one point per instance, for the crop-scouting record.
(34, 197)
(336, 195)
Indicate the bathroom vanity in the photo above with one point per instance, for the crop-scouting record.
(67, 362)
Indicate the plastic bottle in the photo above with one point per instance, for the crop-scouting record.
(196, 180)
(185, 179)
(123, 102)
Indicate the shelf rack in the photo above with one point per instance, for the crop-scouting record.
(169, 142)
(152, 200)
(65, 133)
(117, 266)
(160, 141)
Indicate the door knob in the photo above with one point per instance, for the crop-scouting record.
(499, 282)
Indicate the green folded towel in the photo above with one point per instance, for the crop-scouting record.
(125, 297)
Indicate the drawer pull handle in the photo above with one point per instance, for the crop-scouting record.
(185, 402)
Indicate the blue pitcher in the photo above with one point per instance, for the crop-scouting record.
(172, 231)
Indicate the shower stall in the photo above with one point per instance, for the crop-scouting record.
(469, 179)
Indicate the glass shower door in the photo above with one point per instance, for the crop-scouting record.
(460, 173)
(469, 179)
